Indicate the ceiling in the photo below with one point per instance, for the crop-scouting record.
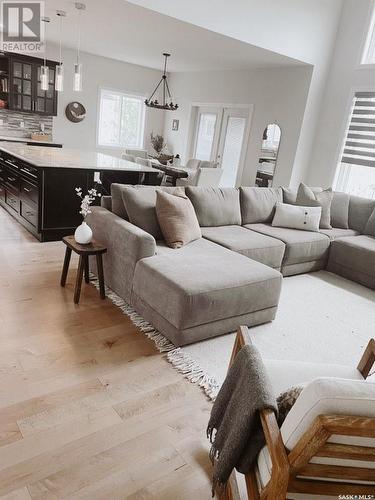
(127, 32)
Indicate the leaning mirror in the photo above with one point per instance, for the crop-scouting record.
(268, 155)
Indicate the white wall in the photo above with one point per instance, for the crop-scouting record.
(345, 77)
(278, 95)
(303, 29)
(100, 72)
(297, 28)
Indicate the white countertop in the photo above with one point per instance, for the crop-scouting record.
(40, 156)
(23, 139)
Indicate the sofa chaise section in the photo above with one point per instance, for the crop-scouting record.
(256, 246)
(305, 251)
(354, 258)
(203, 290)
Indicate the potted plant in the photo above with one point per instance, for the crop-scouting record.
(160, 147)
(157, 142)
(83, 233)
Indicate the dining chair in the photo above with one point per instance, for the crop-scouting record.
(137, 153)
(143, 161)
(127, 157)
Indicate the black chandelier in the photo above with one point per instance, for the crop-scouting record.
(166, 92)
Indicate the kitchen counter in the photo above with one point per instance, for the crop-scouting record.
(41, 157)
(28, 140)
(38, 184)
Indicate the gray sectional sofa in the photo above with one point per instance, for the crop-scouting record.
(233, 274)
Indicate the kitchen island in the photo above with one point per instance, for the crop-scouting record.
(37, 184)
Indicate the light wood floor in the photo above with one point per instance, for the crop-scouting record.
(88, 408)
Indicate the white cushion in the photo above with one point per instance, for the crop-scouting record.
(285, 374)
(295, 217)
(325, 396)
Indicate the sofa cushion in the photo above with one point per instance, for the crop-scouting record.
(258, 204)
(300, 246)
(360, 210)
(177, 219)
(340, 210)
(118, 206)
(215, 206)
(297, 217)
(204, 282)
(335, 233)
(140, 202)
(259, 247)
(370, 226)
(355, 252)
(307, 198)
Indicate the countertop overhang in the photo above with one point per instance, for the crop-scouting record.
(42, 157)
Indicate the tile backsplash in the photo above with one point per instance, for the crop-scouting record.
(12, 119)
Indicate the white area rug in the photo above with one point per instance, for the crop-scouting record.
(322, 318)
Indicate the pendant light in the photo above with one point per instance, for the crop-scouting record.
(44, 70)
(59, 78)
(166, 92)
(77, 78)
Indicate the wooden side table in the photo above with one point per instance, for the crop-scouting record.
(84, 251)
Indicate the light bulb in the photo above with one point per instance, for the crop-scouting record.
(59, 81)
(77, 79)
(44, 77)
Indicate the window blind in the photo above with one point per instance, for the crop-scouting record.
(360, 140)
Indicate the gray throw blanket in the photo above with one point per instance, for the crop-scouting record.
(235, 416)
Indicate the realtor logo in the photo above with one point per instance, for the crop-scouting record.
(23, 29)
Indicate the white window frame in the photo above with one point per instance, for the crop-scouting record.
(142, 122)
(368, 43)
(344, 130)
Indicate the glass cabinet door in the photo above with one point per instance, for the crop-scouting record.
(27, 94)
(45, 98)
(22, 86)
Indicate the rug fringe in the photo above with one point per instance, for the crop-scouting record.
(182, 362)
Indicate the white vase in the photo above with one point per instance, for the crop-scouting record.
(83, 234)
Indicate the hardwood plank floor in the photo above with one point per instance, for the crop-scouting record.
(88, 408)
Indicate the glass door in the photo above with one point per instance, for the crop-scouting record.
(220, 136)
(207, 133)
(230, 154)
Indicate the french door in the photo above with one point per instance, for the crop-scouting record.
(220, 135)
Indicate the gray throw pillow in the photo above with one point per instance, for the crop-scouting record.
(290, 194)
(307, 198)
(177, 219)
(118, 193)
(286, 400)
(360, 210)
(370, 226)
(140, 207)
(340, 210)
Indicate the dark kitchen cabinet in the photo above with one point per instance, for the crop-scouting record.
(25, 93)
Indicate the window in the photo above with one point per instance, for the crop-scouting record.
(121, 120)
(356, 172)
(369, 52)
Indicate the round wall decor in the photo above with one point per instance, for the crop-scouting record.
(75, 112)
